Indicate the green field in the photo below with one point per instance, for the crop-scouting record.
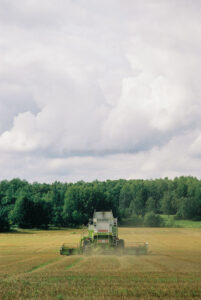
(31, 267)
(172, 222)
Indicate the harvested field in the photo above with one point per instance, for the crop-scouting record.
(31, 267)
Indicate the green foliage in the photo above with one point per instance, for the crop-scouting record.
(66, 204)
(168, 203)
(29, 213)
(153, 220)
(151, 204)
(56, 196)
(42, 214)
(82, 200)
(133, 221)
(188, 208)
(4, 221)
(22, 214)
(125, 198)
(169, 221)
(187, 223)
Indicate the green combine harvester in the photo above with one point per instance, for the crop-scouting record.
(102, 238)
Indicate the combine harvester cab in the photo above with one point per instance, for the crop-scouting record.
(103, 234)
(102, 238)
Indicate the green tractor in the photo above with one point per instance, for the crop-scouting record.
(102, 238)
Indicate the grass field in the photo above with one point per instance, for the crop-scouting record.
(170, 220)
(31, 267)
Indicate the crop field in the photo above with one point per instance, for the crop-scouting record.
(31, 267)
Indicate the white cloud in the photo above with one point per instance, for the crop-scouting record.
(92, 89)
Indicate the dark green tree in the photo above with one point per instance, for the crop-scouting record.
(4, 220)
(153, 220)
(23, 214)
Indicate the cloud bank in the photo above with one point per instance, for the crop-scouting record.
(99, 89)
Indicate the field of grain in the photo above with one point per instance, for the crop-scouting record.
(31, 267)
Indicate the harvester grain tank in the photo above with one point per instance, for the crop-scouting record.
(102, 238)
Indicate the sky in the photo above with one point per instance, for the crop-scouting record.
(100, 89)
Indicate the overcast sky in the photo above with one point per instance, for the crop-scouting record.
(100, 89)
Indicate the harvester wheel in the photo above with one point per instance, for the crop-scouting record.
(120, 247)
(121, 244)
(87, 247)
(61, 250)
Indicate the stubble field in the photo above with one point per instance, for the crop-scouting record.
(31, 267)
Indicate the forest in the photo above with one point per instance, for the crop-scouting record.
(41, 205)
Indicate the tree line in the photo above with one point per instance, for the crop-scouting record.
(40, 205)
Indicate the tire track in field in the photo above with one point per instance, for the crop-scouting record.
(161, 267)
(43, 265)
(22, 260)
(18, 261)
(176, 257)
(184, 264)
(34, 269)
(74, 263)
(137, 263)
